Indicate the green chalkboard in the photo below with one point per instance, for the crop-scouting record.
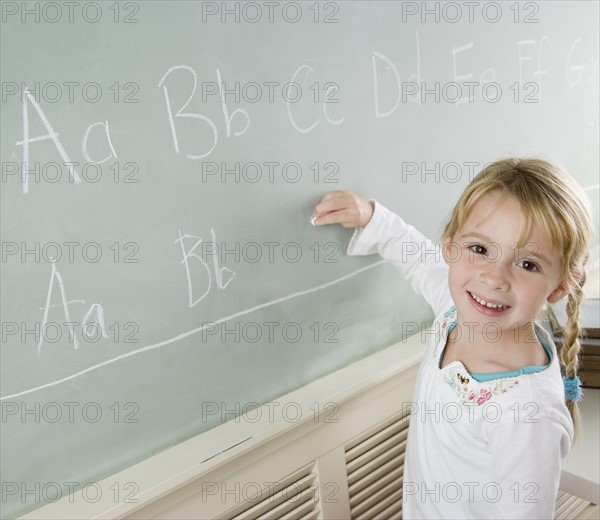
(160, 164)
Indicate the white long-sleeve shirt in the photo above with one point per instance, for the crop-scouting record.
(488, 449)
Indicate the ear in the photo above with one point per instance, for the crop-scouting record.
(559, 293)
(562, 290)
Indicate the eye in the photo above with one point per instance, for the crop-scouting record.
(532, 266)
(478, 248)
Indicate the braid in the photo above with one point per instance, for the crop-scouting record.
(571, 347)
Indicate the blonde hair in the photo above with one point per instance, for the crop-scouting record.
(550, 198)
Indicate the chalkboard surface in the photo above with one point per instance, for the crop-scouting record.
(160, 164)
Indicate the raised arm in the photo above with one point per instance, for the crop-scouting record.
(378, 230)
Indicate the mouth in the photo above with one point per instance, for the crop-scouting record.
(486, 307)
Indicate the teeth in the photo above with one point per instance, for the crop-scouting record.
(490, 305)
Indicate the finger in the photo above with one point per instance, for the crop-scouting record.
(333, 203)
(334, 217)
(333, 195)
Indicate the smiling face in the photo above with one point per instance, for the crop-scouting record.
(486, 265)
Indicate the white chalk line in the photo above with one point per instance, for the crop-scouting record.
(191, 332)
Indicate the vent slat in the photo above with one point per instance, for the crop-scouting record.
(393, 458)
(377, 493)
(572, 507)
(397, 442)
(373, 440)
(591, 512)
(290, 496)
(312, 515)
(384, 510)
(274, 501)
(392, 431)
(363, 489)
(397, 422)
(567, 504)
(561, 498)
(375, 467)
(294, 507)
(391, 481)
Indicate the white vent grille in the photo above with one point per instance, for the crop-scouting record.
(571, 507)
(375, 467)
(291, 498)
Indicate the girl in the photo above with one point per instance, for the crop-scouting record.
(517, 238)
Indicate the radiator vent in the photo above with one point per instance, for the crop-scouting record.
(375, 466)
(294, 497)
(571, 507)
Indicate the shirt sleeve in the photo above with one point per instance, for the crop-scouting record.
(418, 258)
(526, 453)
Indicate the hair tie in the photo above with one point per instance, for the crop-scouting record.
(573, 389)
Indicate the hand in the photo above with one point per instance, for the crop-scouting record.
(345, 208)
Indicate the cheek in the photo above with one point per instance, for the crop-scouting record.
(458, 276)
(530, 291)
(462, 267)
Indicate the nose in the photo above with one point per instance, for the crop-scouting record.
(495, 277)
